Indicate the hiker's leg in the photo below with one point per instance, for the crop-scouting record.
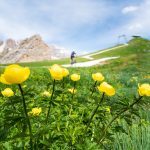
(71, 60)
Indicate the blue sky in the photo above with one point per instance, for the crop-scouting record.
(80, 25)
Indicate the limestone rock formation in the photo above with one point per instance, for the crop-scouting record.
(28, 50)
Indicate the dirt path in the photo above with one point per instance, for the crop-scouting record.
(81, 64)
(90, 63)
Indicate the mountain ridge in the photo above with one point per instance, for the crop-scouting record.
(29, 50)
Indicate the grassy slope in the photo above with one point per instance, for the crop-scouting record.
(48, 63)
(137, 48)
(103, 49)
(135, 55)
(134, 61)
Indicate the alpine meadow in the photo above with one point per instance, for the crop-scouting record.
(45, 106)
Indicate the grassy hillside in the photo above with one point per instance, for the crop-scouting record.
(135, 48)
(68, 124)
(51, 62)
(134, 58)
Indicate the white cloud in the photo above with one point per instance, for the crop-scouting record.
(140, 22)
(51, 19)
(135, 26)
(58, 22)
(129, 9)
(77, 11)
(65, 22)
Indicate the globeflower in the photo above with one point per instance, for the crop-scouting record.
(107, 89)
(56, 72)
(73, 91)
(36, 111)
(7, 92)
(97, 77)
(75, 77)
(144, 89)
(3, 80)
(65, 72)
(15, 74)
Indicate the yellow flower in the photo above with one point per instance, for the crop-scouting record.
(97, 77)
(46, 93)
(144, 89)
(65, 72)
(73, 91)
(36, 111)
(7, 92)
(56, 72)
(2, 79)
(15, 74)
(75, 77)
(107, 89)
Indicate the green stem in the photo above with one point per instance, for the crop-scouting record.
(26, 115)
(94, 112)
(23, 139)
(117, 116)
(93, 88)
(50, 102)
(73, 89)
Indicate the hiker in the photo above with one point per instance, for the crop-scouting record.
(73, 55)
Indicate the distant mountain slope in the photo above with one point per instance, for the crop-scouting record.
(29, 50)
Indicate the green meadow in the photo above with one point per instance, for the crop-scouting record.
(86, 119)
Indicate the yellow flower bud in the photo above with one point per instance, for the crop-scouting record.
(65, 72)
(97, 77)
(56, 72)
(36, 111)
(7, 92)
(46, 93)
(144, 89)
(107, 89)
(73, 91)
(15, 74)
(75, 77)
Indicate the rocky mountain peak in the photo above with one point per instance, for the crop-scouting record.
(10, 44)
(29, 50)
(32, 42)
